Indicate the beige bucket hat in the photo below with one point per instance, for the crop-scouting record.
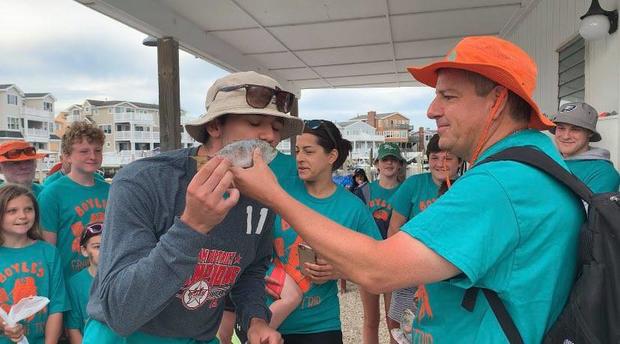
(234, 102)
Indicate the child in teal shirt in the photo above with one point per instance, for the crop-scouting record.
(80, 283)
(28, 267)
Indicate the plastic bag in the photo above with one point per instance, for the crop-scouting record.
(25, 308)
(403, 335)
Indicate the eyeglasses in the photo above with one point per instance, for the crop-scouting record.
(90, 231)
(258, 96)
(315, 124)
(16, 153)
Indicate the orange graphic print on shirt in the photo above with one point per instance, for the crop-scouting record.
(23, 288)
(291, 265)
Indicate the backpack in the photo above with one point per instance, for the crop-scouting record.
(592, 312)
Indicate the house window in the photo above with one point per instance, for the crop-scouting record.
(48, 106)
(76, 112)
(13, 123)
(107, 129)
(571, 72)
(11, 99)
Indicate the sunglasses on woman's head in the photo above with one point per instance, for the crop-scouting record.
(315, 124)
(259, 97)
(16, 153)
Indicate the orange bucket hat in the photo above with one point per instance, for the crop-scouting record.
(18, 147)
(496, 59)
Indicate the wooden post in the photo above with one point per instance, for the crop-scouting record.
(294, 113)
(169, 99)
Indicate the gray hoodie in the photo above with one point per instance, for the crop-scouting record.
(156, 275)
(591, 154)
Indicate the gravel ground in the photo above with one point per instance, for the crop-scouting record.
(352, 317)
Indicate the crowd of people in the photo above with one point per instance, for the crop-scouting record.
(175, 251)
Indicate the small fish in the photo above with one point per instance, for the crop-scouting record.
(240, 153)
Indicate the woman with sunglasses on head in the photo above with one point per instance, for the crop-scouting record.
(29, 266)
(320, 151)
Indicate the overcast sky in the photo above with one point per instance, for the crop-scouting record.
(62, 47)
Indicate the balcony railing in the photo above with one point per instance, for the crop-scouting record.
(136, 135)
(42, 133)
(43, 114)
(133, 117)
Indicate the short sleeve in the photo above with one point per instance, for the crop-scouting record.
(49, 209)
(473, 226)
(401, 199)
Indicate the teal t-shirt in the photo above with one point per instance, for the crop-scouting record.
(380, 205)
(599, 175)
(78, 291)
(99, 333)
(66, 209)
(415, 194)
(29, 271)
(510, 228)
(319, 310)
(283, 166)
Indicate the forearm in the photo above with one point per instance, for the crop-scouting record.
(75, 337)
(53, 328)
(248, 294)
(126, 274)
(396, 221)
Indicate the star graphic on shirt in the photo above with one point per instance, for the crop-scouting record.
(237, 259)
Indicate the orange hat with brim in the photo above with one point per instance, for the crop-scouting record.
(11, 145)
(496, 59)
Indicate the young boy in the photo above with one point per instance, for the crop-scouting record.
(79, 284)
(73, 201)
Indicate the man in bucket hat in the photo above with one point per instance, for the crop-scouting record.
(497, 227)
(18, 164)
(575, 129)
(178, 240)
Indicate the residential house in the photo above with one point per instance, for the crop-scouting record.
(364, 139)
(393, 126)
(131, 128)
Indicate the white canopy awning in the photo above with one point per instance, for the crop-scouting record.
(319, 43)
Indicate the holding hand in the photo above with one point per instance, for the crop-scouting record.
(260, 333)
(205, 206)
(15, 333)
(257, 182)
(322, 271)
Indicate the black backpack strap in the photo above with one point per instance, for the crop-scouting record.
(543, 162)
(497, 306)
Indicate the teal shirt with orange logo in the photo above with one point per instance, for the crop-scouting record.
(415, 194)
(319, 310)
(78, 291)
(380, 205)
(66, 209)
(33, 270)
(510, 228)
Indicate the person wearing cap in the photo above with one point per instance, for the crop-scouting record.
(415, 194)
(177, 239)
(18, 164)
(389, 162)
(497, 226)
(575, 129)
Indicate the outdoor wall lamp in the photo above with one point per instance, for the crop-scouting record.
(150, 41)
(597, 22)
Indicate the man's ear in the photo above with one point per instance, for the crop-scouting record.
(501, 100)
(214, 128)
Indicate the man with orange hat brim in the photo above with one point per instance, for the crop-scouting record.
(18, 164)
(497, 227)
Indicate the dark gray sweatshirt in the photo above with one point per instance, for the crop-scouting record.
(156, 275)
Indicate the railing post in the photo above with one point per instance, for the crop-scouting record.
(169, 99)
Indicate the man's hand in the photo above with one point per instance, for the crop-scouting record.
(258, 181)
(205, 205)
(14, 333)
(260, 333)
(322, 271)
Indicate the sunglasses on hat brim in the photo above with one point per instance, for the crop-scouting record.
(258, 96)
(16, 153)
